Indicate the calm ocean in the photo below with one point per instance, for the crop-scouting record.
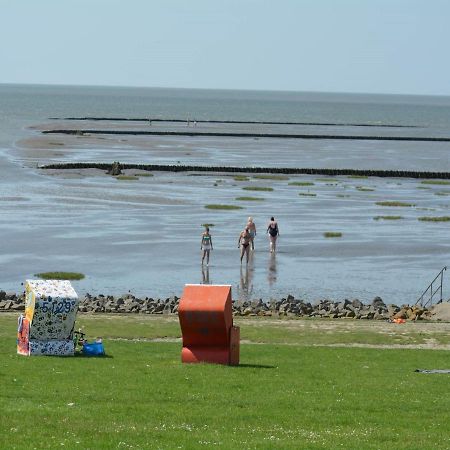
(144, 236)
(22, 105)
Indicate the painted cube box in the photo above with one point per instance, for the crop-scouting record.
(50, 311)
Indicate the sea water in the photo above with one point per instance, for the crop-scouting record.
(144, 237)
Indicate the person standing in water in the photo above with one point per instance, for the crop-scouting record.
(273, 232)
(206, 245)
(252, 229)
(244, 243)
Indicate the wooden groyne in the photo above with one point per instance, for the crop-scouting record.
(255, 170)
(82, 132)
(241, 122)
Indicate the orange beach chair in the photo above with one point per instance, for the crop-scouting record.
(206, 322)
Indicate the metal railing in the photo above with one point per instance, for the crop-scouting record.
(424, 300)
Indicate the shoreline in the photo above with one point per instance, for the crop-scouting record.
(83, 132)
(241, 122)
(288, 307)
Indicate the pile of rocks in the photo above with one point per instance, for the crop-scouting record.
(11, 302)
(128, 304)
(290, 306)
(286, 307)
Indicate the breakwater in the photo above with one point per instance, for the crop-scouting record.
(261, 170)
(81, 132)
(240, 122)
(284, 307)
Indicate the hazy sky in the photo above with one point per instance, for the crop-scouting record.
(380, 46)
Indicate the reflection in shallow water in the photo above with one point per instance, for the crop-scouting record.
(205, 275)
(246, 281)
(272, 270)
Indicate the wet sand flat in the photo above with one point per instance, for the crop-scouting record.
(261, 152)
(144, 234)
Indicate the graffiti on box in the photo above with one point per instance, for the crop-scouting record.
(50, 311)
(52, 347)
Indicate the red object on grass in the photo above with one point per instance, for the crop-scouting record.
(206, 322)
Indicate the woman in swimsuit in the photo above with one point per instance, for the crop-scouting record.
(273, 232)
(244, 243)
(252, 229)
(206, 245)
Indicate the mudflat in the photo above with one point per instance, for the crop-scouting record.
(143, 234)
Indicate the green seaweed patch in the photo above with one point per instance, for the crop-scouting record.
(126, 178)
(342, 195)
(250, 199)
(224, 207)
(435, 219)
(443, 193)
(307, 194)
(60, 275)
(364, 189)
(301, 183)
(332, 234)
(395, 203)
(423, 187)
(440, 182)
(327, 180)
(387, 218)
(358, 177)
(207, 225)
(258, 188)
(146, 174)
(271, 177)
(241, 178)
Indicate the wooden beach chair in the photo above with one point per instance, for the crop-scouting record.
(206, 322)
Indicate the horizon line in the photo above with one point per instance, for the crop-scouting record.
(223, 89)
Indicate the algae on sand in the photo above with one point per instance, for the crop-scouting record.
(224, 207)
(60, 275)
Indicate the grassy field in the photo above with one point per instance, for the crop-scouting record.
(312, 384)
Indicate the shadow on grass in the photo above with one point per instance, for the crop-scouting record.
(80, 355)
(255, 366)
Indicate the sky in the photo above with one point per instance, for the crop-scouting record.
(367, 46)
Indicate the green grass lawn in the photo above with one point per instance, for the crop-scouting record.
(287, 392)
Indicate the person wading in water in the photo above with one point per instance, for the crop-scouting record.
(273, 232)
(206, 245)
(244, 242)
(252, 229)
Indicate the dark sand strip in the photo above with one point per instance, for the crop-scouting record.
(280, 170)
(250, 135)
(242, 122)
